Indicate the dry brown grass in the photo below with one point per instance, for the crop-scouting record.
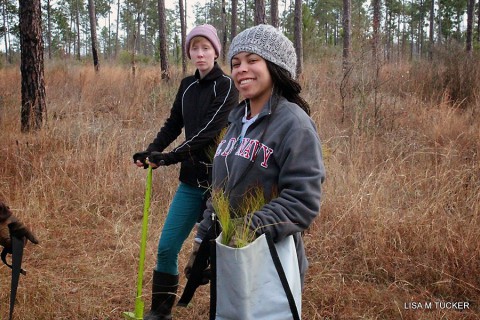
(399, 219)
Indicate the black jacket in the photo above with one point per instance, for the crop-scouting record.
(201, 107)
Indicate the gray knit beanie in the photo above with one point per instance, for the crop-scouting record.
(269, 43)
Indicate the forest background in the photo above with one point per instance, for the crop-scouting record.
(397, 235)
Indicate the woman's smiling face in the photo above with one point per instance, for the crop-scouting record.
(251, 77)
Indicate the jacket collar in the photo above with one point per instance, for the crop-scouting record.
(212, 75)
(238, 113)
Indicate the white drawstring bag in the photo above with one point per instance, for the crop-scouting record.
(258, 282)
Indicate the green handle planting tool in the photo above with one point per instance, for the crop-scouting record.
(139, 304)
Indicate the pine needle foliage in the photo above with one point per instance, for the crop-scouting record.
(221, 205)
(213, 148)
(236, 230)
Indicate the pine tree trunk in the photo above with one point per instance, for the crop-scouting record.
(335, 29)
(245, 16)
(376, 58)
(162, 30)
(108, 53)
(376, 28)
(420, 29)
(134, 49)
(116, 34)
(233, 29)
(260, 17)
(93, 34)
(274, 13)
(399, 33)
(388, 33)
(404, 34)
(412, 44)
(431, 30)
(470, 9)
(439, 28)
(33, 107)
(478, 23)
(71, 36)
(138, 40)
(143, 40)
(77, 21)
(49, 31)
(5, 29)
(184, 35)
(347, 31)
(298, 28)
(224, 31)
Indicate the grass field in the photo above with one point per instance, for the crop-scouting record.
(400, 217)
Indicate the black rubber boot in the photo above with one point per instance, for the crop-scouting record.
(164, 289)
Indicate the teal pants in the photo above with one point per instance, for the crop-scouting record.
(186, 207)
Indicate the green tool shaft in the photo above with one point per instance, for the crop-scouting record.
(139, 305)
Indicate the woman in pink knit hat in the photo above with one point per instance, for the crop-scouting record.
(201, 108)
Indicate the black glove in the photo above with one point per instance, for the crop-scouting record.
(142, 157)
(206, 274)
(191, 259)
(18, 229)
(161, 159)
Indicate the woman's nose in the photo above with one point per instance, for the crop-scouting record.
(242, 67)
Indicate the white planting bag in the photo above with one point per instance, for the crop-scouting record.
(249, 286)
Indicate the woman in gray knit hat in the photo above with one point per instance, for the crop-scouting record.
(271, 143)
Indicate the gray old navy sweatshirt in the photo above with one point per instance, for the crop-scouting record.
(280, 153)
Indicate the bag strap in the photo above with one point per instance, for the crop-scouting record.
(283, 277)
(213, 280)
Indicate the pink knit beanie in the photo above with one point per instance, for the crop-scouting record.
(206, 31)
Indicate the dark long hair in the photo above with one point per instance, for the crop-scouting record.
(284, 85)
